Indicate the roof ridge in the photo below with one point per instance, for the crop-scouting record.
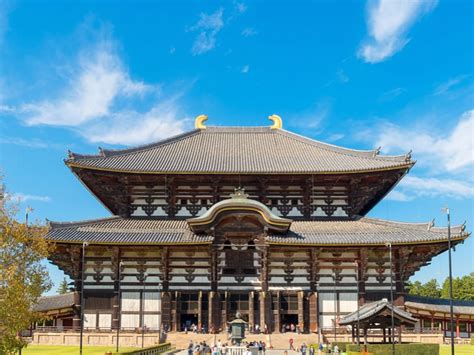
(373, 154)
(428, 225)
(59, 225)
(105, 153)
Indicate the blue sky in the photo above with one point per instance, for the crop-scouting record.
(395, 74)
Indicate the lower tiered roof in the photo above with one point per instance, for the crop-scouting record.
(360, 231)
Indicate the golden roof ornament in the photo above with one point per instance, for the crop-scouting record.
(199, 122)
(277, 121)
(239, 192)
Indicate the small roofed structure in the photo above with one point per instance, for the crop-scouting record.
(377, 315)
(58, 308)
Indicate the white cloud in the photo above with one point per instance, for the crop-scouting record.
(392, 94)
(396, 195)
(101, 102)
(245, 69)
(30, 143)
(342, 76)
(335, 137)
(133, 128)
(90, 92)
(240, 7)
(451, 152)
(388, 22)
(20, 197)
(208, 26)
(248, 32)
(446, 86)
(7, 109)
(412, 186)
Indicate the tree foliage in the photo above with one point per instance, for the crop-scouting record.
(23, 278)
(63, 287)
(463, 288)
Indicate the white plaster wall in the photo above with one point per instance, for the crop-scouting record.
(105, 321)
(90, 320)
(130, 301)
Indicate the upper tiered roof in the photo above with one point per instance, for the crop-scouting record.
(239, 150)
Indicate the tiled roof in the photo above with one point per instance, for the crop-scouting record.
(370, 310)
(364, 230)
(462, 307)
(368, 231)
(48, 303)
(119, 230)
(239, 150)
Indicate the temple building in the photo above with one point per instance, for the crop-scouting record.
(256, 220)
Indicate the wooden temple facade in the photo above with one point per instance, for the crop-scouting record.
(255, 220)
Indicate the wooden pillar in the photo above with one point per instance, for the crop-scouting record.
(166, 310)
(400, 334)
(458, 333)
(313, 312)
(76, 320)
(363, 265)
(399, 297)
(224, 310)
(265, 311)
(116, 278)
(432, 323)
(251, 311)
(200, 310)
(176, 312)
(384, 330)
(365, 335)
(276, 312)
(215, 312)
(301, 324)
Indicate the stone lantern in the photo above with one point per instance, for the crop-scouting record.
(237, 329)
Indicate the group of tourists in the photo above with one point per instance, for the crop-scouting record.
(310, 350)
(194, 328)
(202, 348)
(290, 327)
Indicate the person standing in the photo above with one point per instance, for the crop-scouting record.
(292, 346)
(303, 349)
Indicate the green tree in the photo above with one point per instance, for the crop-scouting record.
(63, 287)
(431, 289)
(463, 288)
(428, 289)
(22, 276)
(414, 288)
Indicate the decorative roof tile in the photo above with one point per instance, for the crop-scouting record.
(363, 231)
(239, 150)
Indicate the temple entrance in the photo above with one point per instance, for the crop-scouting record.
(188, 320)
(288, 322)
